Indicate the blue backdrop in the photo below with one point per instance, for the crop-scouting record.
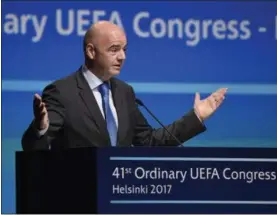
(174, 50)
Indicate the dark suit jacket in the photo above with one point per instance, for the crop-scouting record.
(76, 120)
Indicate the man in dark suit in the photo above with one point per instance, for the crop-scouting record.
(92, 108)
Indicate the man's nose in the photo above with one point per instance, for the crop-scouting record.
(122, 55)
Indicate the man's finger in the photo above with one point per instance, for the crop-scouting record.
(37, 100)
(37, 97)
(38, 109)
(212, 103)
(218, 97)
(220, 91)
(41, 113)
(42, 104)
(219, 94)
(197, 97)
(41, 107)
(219, 102)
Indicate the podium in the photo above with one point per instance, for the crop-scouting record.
(56, 181)
(147, 180)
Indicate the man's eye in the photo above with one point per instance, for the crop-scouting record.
(113, 50)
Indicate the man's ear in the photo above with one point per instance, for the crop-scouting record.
(90, 51)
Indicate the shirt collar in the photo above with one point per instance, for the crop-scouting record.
(92, 79)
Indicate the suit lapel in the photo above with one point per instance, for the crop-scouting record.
(93, 109)
(121, 111)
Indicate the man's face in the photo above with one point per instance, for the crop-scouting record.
(110, 54)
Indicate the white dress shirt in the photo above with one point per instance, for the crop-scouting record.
(94, 82)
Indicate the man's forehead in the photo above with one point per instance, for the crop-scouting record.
(113, 38)
(117, 35)
(117, 41)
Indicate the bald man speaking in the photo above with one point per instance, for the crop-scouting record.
(92, 108)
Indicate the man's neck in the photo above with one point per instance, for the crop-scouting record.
(97, 73)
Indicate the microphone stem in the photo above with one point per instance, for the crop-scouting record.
(178, 141)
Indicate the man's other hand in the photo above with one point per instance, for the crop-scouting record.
(40, 113)
(206, 107)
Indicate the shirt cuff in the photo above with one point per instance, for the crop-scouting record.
(39, 133)
(198, 116)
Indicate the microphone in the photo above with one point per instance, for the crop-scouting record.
(139, 102)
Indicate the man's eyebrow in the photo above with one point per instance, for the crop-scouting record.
(117, 46)
(114, 46)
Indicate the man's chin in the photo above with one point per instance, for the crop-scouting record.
(110, 73)
(115, 72)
